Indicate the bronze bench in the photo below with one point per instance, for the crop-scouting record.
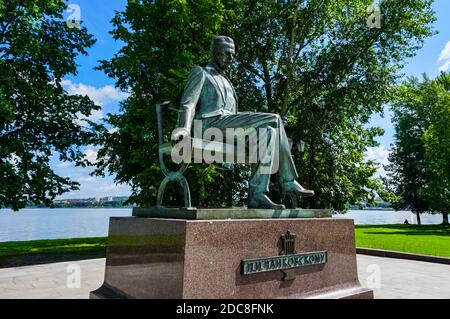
(165, 148)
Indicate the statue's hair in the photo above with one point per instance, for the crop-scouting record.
(218, 41)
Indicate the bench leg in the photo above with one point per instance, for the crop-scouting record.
(174, 177)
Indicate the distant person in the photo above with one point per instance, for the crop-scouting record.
(406, 222)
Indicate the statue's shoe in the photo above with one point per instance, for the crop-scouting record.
(296, 188)
(262, 201)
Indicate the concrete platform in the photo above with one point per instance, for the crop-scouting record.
(397, 279)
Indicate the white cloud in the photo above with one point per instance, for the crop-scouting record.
(86, 179)
(65, 165)
(91, 155)
(100, 96)
(115, 190)
(380, 155)
(445, 54)
(445, 57)
(445, 67)
(93, 186)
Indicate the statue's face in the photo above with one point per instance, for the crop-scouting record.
(225, 56)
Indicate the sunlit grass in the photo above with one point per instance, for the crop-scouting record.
(56, 246)
(418, 239)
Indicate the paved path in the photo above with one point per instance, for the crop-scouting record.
(395, 278)
(52, 281)
(392, 278)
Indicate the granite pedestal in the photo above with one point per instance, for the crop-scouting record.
(202, 258)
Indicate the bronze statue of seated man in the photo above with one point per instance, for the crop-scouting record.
(210, 97)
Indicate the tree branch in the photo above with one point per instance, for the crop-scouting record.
(289, 59)
(267, 83)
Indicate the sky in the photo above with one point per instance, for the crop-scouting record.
(96, 16)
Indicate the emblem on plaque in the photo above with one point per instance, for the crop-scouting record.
(288, 248)
(288, 244)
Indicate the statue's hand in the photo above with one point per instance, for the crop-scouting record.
(180, 134)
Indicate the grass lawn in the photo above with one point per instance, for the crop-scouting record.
(56, 246)
(424, 239)
(43, 251)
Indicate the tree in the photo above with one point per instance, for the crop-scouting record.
(419, 172)
(163, 40)
(316, 62)
(408, 174)
(319, 65)
(37, 117)
(437, 146)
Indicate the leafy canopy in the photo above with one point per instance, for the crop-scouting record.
(163, 40)
(419, 173)
(318, 64)
(37, 117)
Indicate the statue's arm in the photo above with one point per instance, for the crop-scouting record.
(190, 97)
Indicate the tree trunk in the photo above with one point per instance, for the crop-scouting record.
(289, 60)
(419, 222)
(444, 218)
(311, 177)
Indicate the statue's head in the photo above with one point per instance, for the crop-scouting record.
(223, 52)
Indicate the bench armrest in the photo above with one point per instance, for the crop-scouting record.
(160, 109)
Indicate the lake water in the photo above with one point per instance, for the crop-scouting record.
(380, 217)
(33, 224)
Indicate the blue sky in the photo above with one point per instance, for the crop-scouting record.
(96, 16)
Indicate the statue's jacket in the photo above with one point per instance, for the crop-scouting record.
(208, 93)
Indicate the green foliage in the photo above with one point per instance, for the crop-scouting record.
(420, 169)
(417, 239)
(408, 173)
(37, 117)
(315, 62)
(163, 40)
(437, 146)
